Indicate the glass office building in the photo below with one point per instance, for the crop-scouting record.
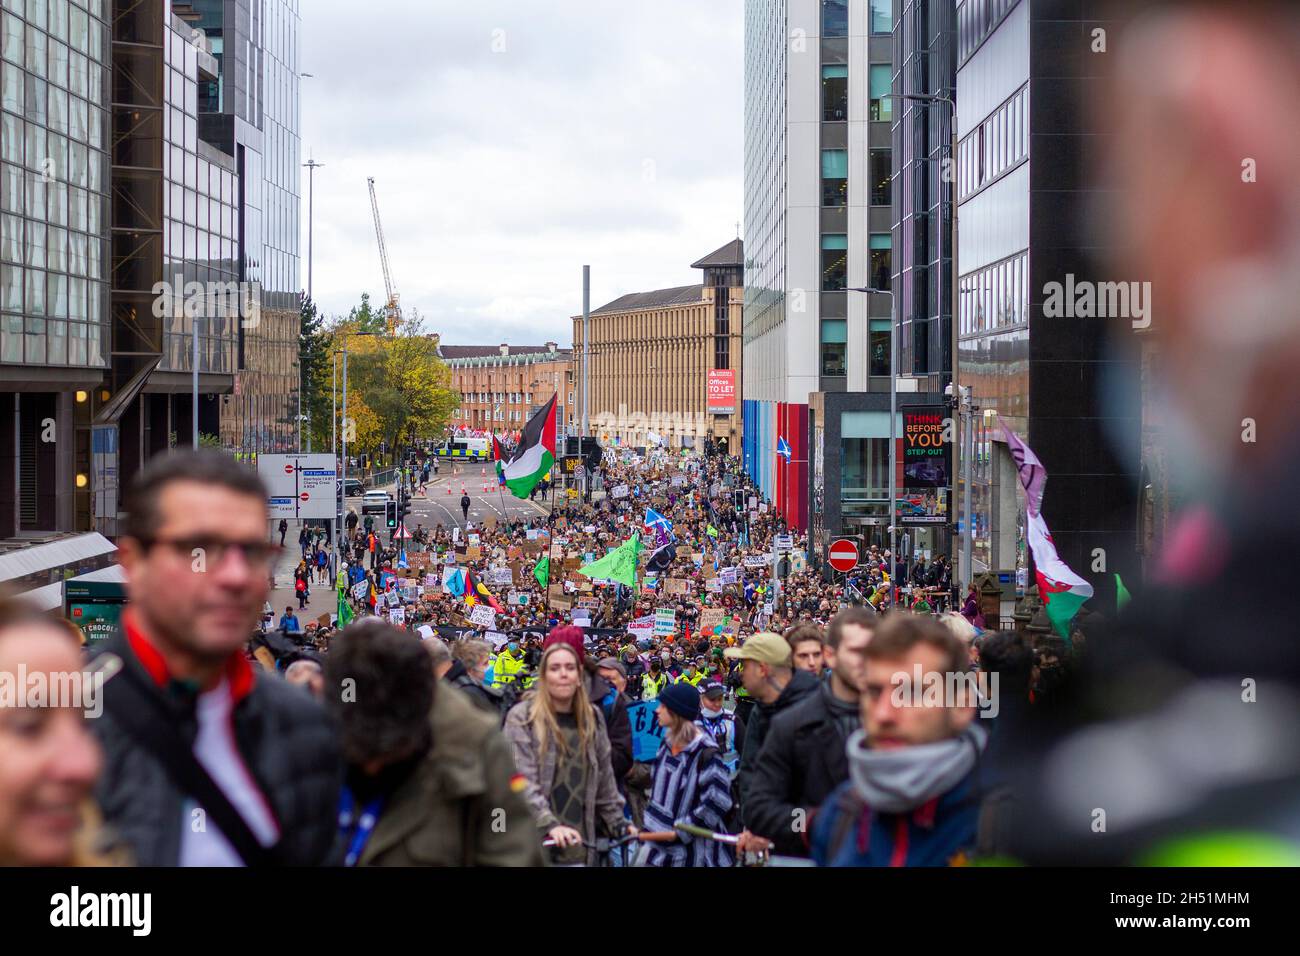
(54, 186)
(252, 108)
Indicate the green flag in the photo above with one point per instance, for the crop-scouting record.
(345, 609)
(712, 531)
(542, 571)
(619, 565)
(1122, 596)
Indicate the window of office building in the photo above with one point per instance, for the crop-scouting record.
(881, 174)
(835, 93)
(835, 347)
(881, 259)
(878, 347)
(864, 473)
(878, 84)
(835, 18)
(835, 177)
(835, 257)
(881, 17)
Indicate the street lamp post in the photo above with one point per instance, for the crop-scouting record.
(194, 422)
(343, 467)
(893, 430)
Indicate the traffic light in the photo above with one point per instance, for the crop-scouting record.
(390, 510)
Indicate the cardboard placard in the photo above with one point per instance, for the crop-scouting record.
(712, 617)
(677, 586)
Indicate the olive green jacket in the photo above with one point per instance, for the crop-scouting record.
(464, 805)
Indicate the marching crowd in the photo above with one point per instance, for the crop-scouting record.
(726, 705)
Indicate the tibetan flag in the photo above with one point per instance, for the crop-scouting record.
(477, 593)
(542, 571)
(783, 449)
(535, 453)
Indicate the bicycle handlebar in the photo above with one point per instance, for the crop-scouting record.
(698, 831)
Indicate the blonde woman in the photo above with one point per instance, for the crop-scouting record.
(49, 761)
(561, 750)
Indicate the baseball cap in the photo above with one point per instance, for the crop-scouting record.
(712, 689)
(614, 664)
(764, 647)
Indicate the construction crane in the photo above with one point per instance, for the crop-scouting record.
(392, 309)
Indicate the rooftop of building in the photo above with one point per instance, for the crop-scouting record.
(729, 256)
(503, 353)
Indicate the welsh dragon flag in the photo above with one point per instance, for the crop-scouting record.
(1063, 592)
(535, 453)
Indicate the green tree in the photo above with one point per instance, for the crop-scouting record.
(399, 390)
(315, 346)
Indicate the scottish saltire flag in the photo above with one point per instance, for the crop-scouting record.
(401, 559)
(654, 519)
(783, 449)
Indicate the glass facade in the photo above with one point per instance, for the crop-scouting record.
(201, 228)
(256, 44)
(54, 183)
(766, 52)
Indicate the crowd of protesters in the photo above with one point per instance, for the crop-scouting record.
(415, 735)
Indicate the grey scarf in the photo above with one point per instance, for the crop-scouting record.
(898, 781)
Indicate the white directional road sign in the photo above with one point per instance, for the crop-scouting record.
(299, 486)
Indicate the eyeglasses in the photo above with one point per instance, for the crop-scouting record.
(213, 550)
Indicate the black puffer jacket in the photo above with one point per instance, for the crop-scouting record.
(802, 761)
(801, 685)
(288, 744)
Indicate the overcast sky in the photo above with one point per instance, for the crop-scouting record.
(512, 141)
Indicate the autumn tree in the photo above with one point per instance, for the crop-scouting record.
(399, 390)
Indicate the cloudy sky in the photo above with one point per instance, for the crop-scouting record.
(512, 141)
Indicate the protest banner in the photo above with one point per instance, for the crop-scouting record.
(483, 616)
(647, 735)
(665, 621)
(712, 616)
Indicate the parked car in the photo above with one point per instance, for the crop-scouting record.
(355, 489)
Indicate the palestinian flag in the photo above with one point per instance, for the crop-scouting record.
(496, 457)
(535, 453)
